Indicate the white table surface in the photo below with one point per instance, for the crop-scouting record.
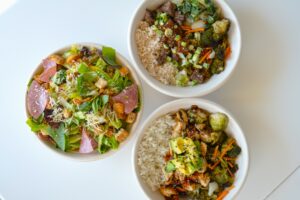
(263, 94)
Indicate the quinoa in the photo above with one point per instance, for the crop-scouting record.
(149, 46)
(152, 149)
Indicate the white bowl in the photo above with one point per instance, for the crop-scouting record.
(233, 129)
(94, 155)
(214, 82)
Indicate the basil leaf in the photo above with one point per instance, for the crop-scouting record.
(59, 136)
(109, 55)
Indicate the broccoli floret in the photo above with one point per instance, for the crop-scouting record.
(234, 152)
(217, 66)
(220, 28)
(206, 38)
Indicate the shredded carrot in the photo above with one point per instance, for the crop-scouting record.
(227, 158)
(230, 173)
(195, 30)
(224, 193)
(205, 56)
(227, 52)
(214, 166)
(186, 28)
(230, 164)
(227, 148)
(215, 152)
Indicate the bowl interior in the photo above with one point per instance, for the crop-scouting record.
(215, 81)
(94, 155)
(233, 129)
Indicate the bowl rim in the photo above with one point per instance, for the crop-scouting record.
(183, 103)
(167, 89)
(94, 155)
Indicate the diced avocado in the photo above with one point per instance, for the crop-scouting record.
(190, 168)
(170, 167)
(179, 164)
(177, 145)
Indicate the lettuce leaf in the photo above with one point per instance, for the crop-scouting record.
(109, 55)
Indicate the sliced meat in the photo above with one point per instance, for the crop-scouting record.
(168, 8)
(128, 97)
(48, 63)
(49, 70)
(149, 17)
(179, 18)
(87, 144)
(47, 74)
(36, 99)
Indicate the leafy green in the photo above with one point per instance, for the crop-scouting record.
(85, 82)
(117, 123)
(58, 135)
(86, 106)
(106, 143)
(82, 68)
(119, 82)
(99, 103)
(109, 55)
(34, 125)
(59, 77)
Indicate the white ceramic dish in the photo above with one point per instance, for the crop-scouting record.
(233, 129)
(215, 81)
(94, 155)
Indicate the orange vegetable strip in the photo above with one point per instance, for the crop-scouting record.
(215, 152)
(205, 56)
(214, 166)
(230, 164)
(224, 193)
(227, 158)
(195, 30)
(230, 172)
(227, 52)
(186, 27)
(227, 148)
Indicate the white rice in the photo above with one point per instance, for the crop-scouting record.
(149, 46)
(152, 149)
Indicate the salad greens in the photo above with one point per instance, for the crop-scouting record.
(79, 113)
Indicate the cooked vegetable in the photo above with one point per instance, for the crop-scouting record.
(199, 164)
(83, 100)
(218, 121)
(191, 33)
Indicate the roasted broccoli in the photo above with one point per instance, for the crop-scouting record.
(220, 29)
(217, 66)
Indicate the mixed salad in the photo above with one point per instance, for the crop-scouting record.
(194, 34)
(201, 161)
(83, 100)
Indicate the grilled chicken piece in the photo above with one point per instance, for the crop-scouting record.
(168, 191)
(201, 178)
